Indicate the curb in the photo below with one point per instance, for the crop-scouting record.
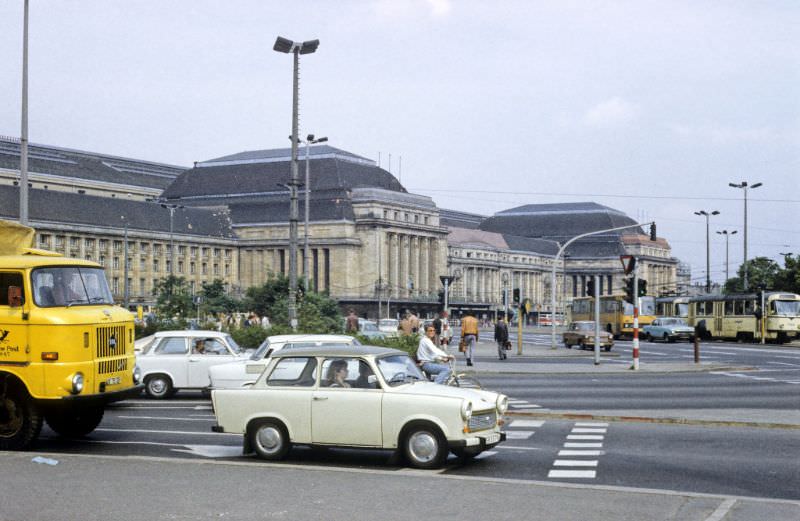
(644, 419)
(622, 371)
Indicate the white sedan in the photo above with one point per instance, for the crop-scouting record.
(173, 360)
(367, 397)
(240, 373)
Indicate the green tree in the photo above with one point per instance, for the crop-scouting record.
(173, 297)
(761, 272)
(262, 299)
(316, 312)
(215, 300)
(788, 278)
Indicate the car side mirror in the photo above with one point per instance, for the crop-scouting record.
(254, 368)
(14, 296)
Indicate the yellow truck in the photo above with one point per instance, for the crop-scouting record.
(65, 349)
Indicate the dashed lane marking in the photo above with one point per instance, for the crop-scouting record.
(585, 437)
(569, 445)
(590, 474)
(581, 452)
(591, 424)
(589, 430)
(526, 423)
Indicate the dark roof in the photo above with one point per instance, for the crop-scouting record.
(542, 246)
(284, 155)
(231, 176)
(77, 164)
(456, 219)
(81, 209)
(558, 222)
(329, 205)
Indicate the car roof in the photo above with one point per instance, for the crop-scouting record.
(338, 351)
(281, 339)
(190, 332)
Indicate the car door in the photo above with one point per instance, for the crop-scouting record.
(169, 357)
(214, 352)
(347, 415)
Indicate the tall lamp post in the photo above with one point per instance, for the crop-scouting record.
(171, 208)
(125, 285)
(311, 141)
(744, 186)
(708, 215)
(287, 46)
(23, 143)
(727, 235)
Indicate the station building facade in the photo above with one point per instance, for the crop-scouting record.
(372, 245)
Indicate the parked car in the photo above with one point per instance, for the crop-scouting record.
(240, 373)
(389, 326)
(581, 333)
(173, 360)
(304, 397)
(668, 329)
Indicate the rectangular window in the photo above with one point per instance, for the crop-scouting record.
(44, 241)
(216, 269)
(155, 265)
(180, 266)
(194, 251)
(204, 269)
(115, 264)
(142, 289)
(8, 279)
(117, 245)
(192, 268)
(181, 250)
(74, 242)
(88, 244)
(293, 372)
(216, 252)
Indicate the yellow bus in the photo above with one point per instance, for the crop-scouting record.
(65, 349)
(740, 317)
(616, 314)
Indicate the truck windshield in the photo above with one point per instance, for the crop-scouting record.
(70, 286)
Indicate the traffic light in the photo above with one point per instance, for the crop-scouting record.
(441, 299)
(516, 295)
(590, 287)
(629, 290)
(652, 231)
(642, 287)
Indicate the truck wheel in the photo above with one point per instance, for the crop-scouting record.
(74, 422)
(20, 418)
(158, 386)
(269, 440)
(424, 447)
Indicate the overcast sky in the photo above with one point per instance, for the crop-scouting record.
(648, 107)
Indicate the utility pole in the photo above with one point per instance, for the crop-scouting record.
(23, 141)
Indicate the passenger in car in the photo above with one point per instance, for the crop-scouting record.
(199, 347)
(364, 372)
(337, 372)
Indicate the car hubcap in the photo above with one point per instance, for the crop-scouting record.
(157, 386)
(269, 439)
(423, 446)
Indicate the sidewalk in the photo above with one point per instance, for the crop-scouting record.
(541, 359)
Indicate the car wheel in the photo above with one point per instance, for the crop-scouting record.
(158, 386)
(424, 447)
(20, 418)
(666, 338)
(607, 348)
(647, 337)
(567, 345)
(269, 439)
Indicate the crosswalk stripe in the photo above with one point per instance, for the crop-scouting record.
(591, 424)
(580, 453)
(519, 435)
(572, 474)
(585, 437)
(526, 423)
(588, 430)
(583, 445)
(574, 463)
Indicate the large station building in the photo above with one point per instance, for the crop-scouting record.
(369, 239)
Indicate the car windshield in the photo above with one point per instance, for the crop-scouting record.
(368, 326)
(265, 346)
(673, 322)
(787, 307)
(583, 326)
(398, 370)
(231, 342)
(68, 286)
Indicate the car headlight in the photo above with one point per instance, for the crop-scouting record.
(466, 410)
(502, 404)
(137, 374)
(77, 383)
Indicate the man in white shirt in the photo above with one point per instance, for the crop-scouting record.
(433, 360)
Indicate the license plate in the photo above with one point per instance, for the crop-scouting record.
(492, 438)
(116, 380)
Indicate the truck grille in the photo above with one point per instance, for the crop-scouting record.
(482, 420)
(112, 366)
(110, 341)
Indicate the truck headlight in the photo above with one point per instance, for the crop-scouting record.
(137, 374)
(466, 410)
(502, 404)
(77, 383)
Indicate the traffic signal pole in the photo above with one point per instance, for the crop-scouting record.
(635, 365)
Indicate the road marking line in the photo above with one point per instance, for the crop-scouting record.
(722, 510)
(569, 445)
(527, 423)
(528, 406)
(591, 424)
(783, 363)
(211, 451)
(486, 454)
(581, 452)
(588, 430)
(519, 435)
(151, 431)
(518, 401)
(572, 474)
(584, 437)
(512, 447)
(574, 463)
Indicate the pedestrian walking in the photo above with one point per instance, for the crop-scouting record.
(351, 324)
(501, 337)
(469, 335)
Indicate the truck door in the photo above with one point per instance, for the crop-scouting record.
(13, 327)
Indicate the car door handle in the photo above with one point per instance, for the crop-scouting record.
(193, 360)
(320, 398)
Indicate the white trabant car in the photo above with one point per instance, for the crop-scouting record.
(244, 372)
(368, 397)
(173, 360)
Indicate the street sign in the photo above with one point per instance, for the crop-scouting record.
(628, 263)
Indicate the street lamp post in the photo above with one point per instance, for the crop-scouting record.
(287, 46)
(708, 215)
(125, 285)
(171, 208)
(744, 186)
(311, 141)
(23, 142)
(727, 235)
